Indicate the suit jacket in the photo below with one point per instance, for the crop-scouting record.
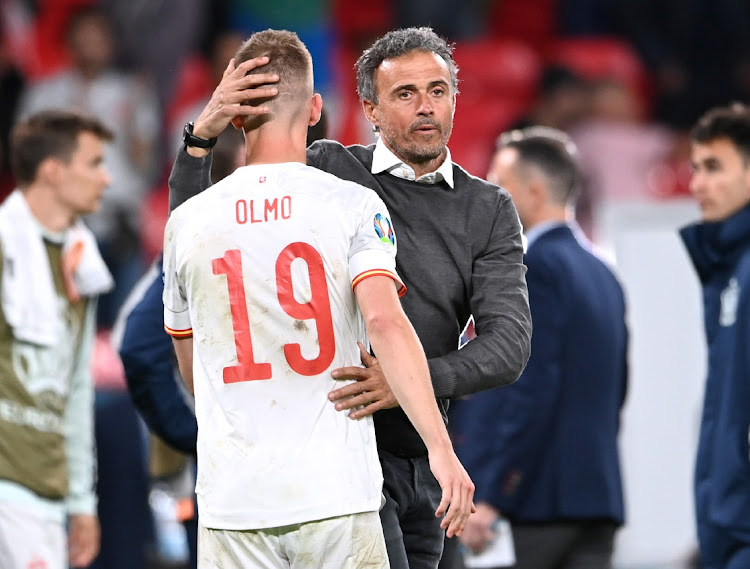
(151, 369)
(545, 448)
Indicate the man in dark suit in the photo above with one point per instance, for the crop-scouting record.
(543, 451)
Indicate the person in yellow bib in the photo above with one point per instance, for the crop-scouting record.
(51, 275)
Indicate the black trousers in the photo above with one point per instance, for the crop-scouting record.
(452, 557)
(413, 536)
(564, 545)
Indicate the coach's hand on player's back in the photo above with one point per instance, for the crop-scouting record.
(458, 490)
(235, 88)
(371, 391)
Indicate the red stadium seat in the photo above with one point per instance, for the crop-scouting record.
(476, 127)
(498, 82)
(359, 23)
(507, 66)
(531, 21)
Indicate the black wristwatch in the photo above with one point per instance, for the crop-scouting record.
(191, 140)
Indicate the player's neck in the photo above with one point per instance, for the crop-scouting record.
(275, 145)
(47, 209)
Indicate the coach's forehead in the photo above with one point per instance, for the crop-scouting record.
(415, 67)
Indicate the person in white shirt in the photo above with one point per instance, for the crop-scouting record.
(272, 276)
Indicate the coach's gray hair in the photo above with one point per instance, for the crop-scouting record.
(395, 44)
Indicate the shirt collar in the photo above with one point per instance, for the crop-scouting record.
(383, 160)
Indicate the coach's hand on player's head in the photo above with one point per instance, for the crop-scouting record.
(235, 88)
(458, 490)
(371, 391)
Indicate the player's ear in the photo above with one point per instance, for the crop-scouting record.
(316, 109)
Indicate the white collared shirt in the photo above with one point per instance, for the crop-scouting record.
(383, 160)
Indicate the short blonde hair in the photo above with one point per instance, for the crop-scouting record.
(288, 58)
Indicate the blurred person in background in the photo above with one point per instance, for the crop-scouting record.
(544, 451)
(52, 273)
(561, 100)
(155, 37)
(719, 246)
(122, 474)
(129, 108)
(621, 154)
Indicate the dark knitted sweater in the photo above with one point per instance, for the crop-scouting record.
(459, 253)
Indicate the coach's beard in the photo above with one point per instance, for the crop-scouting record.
(414, 151)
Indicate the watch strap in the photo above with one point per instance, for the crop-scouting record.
(191, 140)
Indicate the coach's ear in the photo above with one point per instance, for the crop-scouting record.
(316, 109)
(372, 113)
(238, 122)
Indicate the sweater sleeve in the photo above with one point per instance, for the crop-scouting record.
(189, 177)
(79, 425)
(500, 305)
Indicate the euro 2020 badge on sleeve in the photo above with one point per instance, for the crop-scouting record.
(384, 229)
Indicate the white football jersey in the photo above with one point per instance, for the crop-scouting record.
(260, 268)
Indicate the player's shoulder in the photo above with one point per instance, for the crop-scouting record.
(334, 147)
(330, 185)
(197, 205)
(325, 154)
